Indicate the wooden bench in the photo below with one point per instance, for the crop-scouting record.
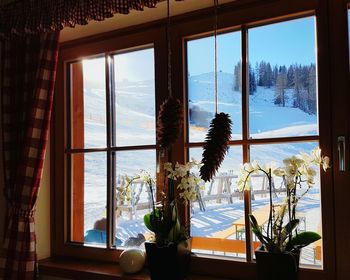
(318, 245)
(219, 244)
(261, 215)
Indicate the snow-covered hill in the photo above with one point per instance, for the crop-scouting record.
(136, 125)
(266, 119)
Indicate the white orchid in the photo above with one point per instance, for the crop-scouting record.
(316, 156)
(188, 195)
(295, 170)
(168, 166)
(244, 182)
(293, 161)
(188, 180)
(326, 163)
(269, 167)
(280, 172)
(145, 176)
(251, 167)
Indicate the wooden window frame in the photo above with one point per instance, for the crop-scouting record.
(75, 147)
(246, 17)
(246, 142)
(340, 88)
(110, 45)
(240, 13)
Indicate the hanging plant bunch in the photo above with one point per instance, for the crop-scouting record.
(215, 147)
(169, 122)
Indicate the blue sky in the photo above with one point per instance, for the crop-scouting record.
(133, 66)
(282, 43)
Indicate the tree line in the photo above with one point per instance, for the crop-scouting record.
(301, 79)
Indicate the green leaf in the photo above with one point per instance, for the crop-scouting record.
(175, 227)
(147, 219)
(175, 232)
(253, 221)
(288, 229)
(256, 229)
(303, 239)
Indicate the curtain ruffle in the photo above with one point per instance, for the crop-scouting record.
(36, 16)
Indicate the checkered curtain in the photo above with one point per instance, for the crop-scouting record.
(28, 76)
(33, 16)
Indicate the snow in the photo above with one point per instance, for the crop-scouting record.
(265, 118)
(135, 108)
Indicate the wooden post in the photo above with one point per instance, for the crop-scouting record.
(77, 138)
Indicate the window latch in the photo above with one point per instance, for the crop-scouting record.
(341, 153)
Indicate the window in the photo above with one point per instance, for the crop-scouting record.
(111, 137)
(272, 82)
(274, 117)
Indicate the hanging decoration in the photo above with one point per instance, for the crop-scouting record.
(169, 122)
(215, 147)
(171, 113)
(219, 133)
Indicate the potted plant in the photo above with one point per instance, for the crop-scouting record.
(169, 251)
(281, 241)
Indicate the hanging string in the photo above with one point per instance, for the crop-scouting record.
(170, 117)
(168, 39)
(216, 4)
(219, 133)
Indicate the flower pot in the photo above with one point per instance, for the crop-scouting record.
(169, 262)
(275, 266)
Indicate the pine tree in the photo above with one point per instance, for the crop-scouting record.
(262, 75)
(290, 76)
(252, 81)
(297, 86)
(312, 98)
(257, 73)
(237, 83)
(275, 74)
(268, 76)
(281, 85)
(305, 76)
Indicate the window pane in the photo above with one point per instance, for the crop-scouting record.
(88, 103)
(134, 200)
(309, 207)
(201, 98)
(89, 192)
(135, 98)
(217, 223)
(283, 63)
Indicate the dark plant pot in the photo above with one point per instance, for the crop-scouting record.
(274, 266)
(169, 262)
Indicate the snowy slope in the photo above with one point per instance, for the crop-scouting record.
(136, 125)
(265, 118)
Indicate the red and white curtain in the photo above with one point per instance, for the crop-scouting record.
(29, 33)
(28, 77)
(31, 16)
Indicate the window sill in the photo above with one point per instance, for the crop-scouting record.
(83, 269)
